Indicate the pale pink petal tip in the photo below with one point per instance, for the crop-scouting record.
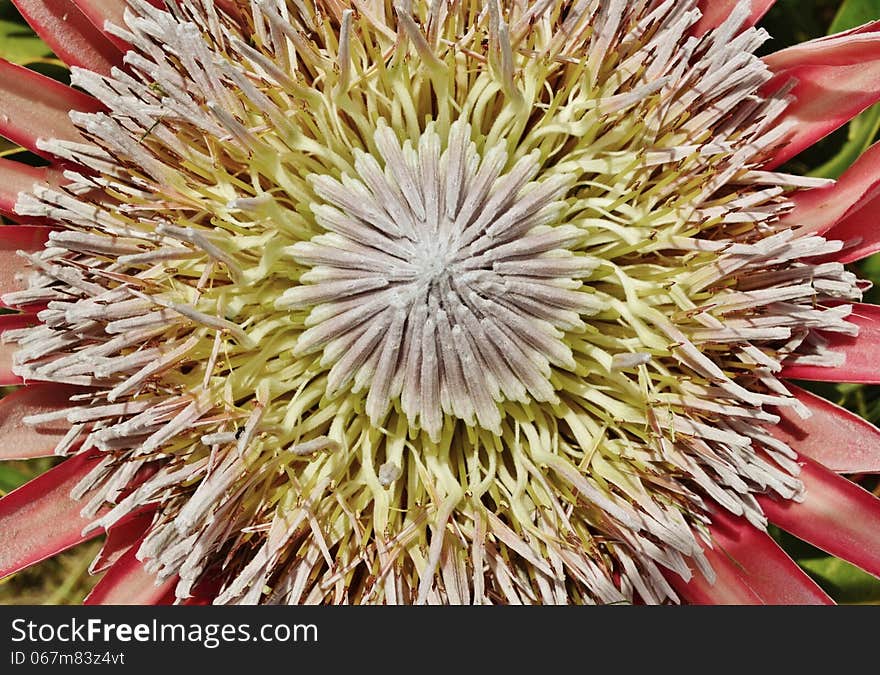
(835, 77)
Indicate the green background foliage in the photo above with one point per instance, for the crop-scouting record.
(64, 579)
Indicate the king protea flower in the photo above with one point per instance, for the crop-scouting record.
(436, 302)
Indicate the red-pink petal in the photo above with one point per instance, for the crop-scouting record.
(228, 6)
(859, 231)
(817, 211)
(16, 177)
(14, 238)
(99, 12)
(40, 519)
(862, 364)
(28, 441)
(716, 11)
(204, 592)
(767, 569)
(729, 588)
(73, 38)
(128, 583)
(837, 78)
(34, 107)
(11, 322)
(751, 569)
(120, 538)
(836, 515)
(23, 237)
(833, 436)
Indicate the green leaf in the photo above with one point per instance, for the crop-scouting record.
(10, 478)
(854, 13)
(863, 129)
(845, 582)
(19, 45)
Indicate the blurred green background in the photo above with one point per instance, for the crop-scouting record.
(64, 579)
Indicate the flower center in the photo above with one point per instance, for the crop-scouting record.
(443, 279)
(266, 293)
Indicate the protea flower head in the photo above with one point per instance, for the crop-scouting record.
(435, 302)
